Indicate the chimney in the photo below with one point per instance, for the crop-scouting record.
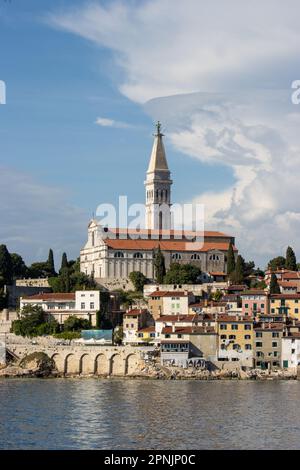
(173, 327)
(263, 325)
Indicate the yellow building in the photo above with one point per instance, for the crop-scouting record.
(285, 305)
(146, 335)
(235, 335)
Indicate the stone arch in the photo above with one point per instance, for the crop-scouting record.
(59, 361)
(131, 364)
(86, 365)
(116, 365)
(71, 364)
(101, 365)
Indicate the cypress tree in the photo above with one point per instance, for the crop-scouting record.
(290, 260)
(230, 260)
(64, 261)
(237, 275)
(274, 287)
(6, 266)
(159, 266)
(50, 263)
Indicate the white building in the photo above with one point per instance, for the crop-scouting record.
(82, 304)
(113, 253)
(290, 351)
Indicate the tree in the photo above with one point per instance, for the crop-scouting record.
(138, 280)
(40, 269)
(64, 262)
(74, 324)
(182, 274)
(6, 266)
(274, 287)
(230, 259)
(19, 268)
(290, 260)
(276, 263)
(217, 296)
(159, 266)
(50, 263)
(237, 276)
(33, 323)
(249, 268)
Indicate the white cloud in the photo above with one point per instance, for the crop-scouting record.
(40, 215)
(106, 122)
(167, 47)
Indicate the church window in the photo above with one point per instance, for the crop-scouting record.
(214, 258)
(93, 238)
(138, 255)
(176, 256)
(195, 256)
(119, 254)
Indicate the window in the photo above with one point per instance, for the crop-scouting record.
(92, 305)
(195, 256)
(262, 306)
(258, 344)
(167, 336)
(223, 336)
(119, 254)
(247, 327)
(246, 305)
(248, 346)
(275, 353)
(275, 335)
(258, 334)
(293, 351)
(234, 327)
(179, 335)
(82, 305)
(296, 310)
(272, 310)
(176, 256)
(223, 327)
(247, 337)
(236, 346)
(232, 336)
(214, 258)
(138, 255)
(274, 344)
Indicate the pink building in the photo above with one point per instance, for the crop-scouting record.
(254, 302)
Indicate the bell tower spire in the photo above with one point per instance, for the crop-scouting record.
(158, 186)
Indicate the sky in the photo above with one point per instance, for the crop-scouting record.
(87, 80)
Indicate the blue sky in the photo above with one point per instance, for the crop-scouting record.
(66, 64)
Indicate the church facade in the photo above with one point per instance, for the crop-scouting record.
(112, 253)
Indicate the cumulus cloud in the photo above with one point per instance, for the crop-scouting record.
(40, 216)
(256, 135)
(106, 122)
(167, 47)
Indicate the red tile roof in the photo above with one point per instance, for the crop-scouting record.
(161, 293)
(188, 330)
(136, 311)
(285, 296)
(234, 318)
(269, 326)
(165, 245)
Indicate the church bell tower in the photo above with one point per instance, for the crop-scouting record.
(158, 186)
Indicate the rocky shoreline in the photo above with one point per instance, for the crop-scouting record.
(38, 365)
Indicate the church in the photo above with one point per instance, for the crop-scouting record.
(113, 253)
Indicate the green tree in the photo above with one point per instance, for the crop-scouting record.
(230, 260)
(64, 262)
(138, 280)
(182, 274)
(50, 263)
(276, 263)
(159, 266)
(237, 276)
(274, 286)
(74, 324)
(39, 270)
(33, 322)
(290, 260)
(19, 268)
(6, 266)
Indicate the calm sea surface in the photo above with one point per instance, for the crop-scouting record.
(140, 414)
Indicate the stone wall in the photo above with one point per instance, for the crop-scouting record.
(88, 360)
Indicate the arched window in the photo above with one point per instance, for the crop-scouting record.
(176, 256)
(119, 254)
(138, 255)
(214, 258)
(195, 256)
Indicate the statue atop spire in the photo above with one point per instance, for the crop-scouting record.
(158, 129)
